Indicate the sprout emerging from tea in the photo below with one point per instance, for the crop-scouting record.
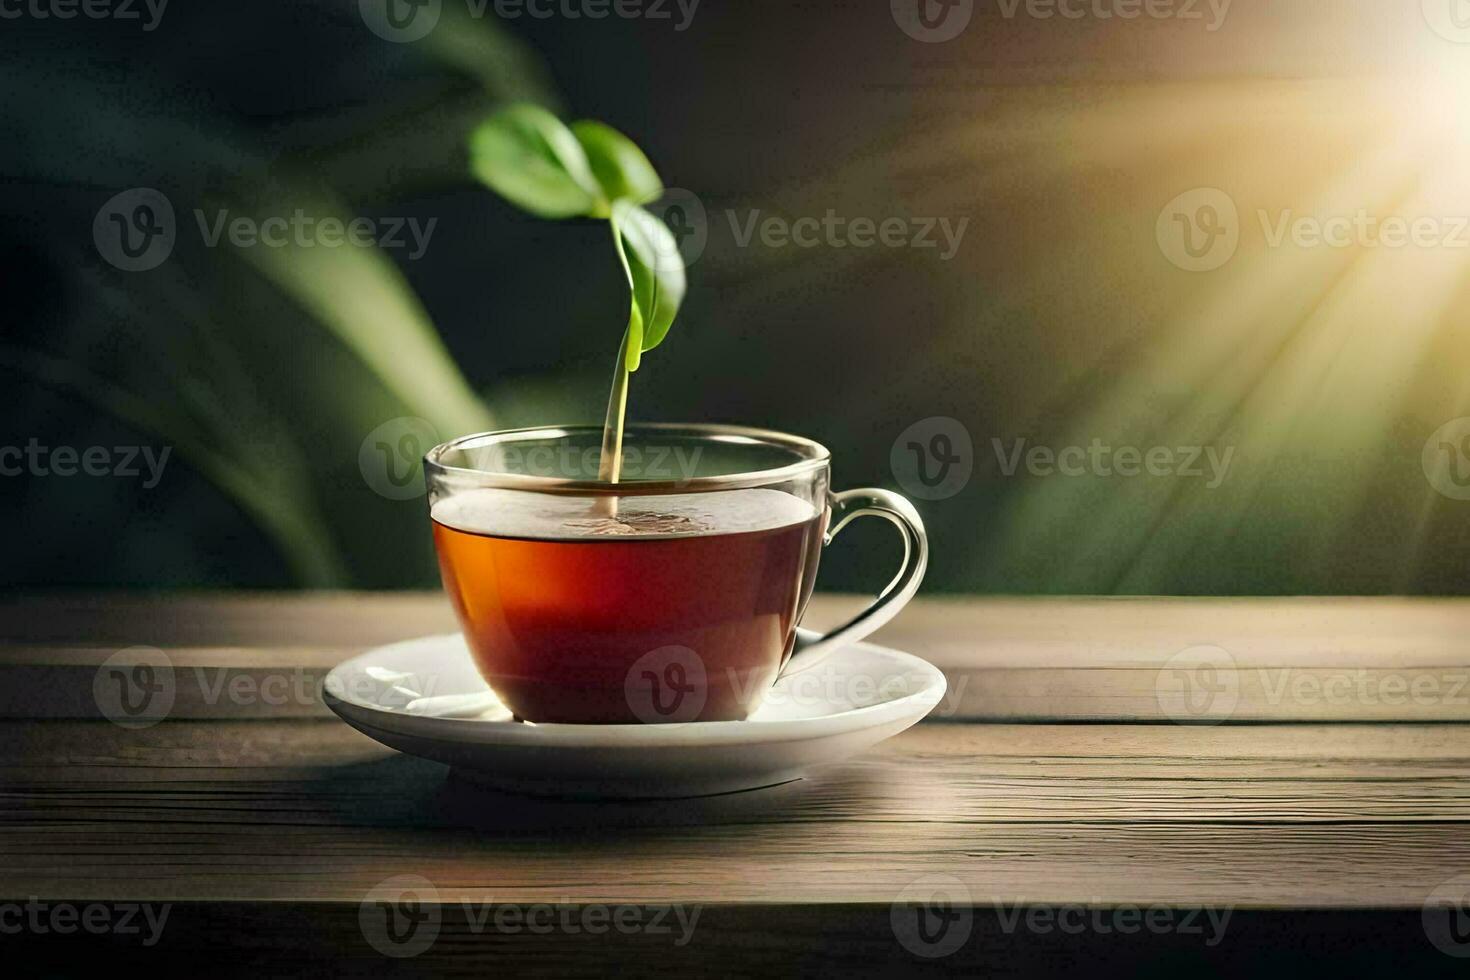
(590, 170)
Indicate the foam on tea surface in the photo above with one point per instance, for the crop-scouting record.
(543, 516)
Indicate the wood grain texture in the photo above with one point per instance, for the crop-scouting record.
(311, 811)
(268, 832)
(1006, 659)
(970, 632)
(756, 941)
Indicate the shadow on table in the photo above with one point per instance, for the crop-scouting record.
(467, 802)
(411, 792)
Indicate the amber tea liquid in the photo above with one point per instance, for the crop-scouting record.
(563, 605)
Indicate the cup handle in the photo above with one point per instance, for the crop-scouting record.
(811, 647)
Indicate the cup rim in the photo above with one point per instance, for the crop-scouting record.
(813, 457)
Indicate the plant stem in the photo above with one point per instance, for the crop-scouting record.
(610, 464)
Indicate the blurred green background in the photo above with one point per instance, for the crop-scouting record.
(1061, 317)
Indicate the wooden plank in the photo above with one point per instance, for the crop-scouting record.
(1006, 659)
(277, 832)
(1300, 816)
(286, 682)
(332, 621)
(1128, 632)
(963, 632)
(757, 941)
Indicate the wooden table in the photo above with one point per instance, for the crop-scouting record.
(272, 827)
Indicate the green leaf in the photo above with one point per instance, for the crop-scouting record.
(590, 169)
(655, 272)
(619, 166)
(531, 158)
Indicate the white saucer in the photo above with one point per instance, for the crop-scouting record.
(424, 697)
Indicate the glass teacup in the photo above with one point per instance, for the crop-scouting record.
(673, 595)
